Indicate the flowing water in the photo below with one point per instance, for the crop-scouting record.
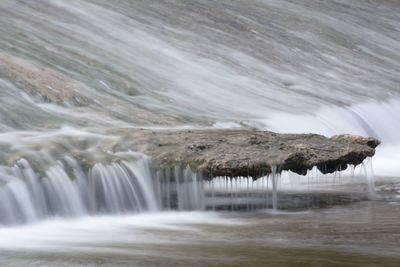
(75, 75)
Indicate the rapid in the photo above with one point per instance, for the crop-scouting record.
(75, 75)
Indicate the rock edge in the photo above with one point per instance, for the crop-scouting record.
(251, 153)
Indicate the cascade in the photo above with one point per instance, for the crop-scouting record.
(70, 189)
(65, 190)
(116, 121)
(165, 75)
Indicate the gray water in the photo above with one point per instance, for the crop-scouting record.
(362, 234)
(76, 75)
(135, 63)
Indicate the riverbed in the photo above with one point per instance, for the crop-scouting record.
(365, 233)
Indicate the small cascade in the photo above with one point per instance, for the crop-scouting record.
(288, 190)
(181, 189)
(274, 188)
(66, 190)
(70, 188)
(242, 193)
(369, 176)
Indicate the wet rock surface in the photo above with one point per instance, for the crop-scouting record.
(251, 153)
(42, 82)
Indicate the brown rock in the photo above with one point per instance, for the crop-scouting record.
(251, 153)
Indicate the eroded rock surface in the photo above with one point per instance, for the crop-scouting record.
(251, 153)
(212, 152)
(42, 82)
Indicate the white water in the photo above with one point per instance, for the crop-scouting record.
(66, 190)
(73, 73)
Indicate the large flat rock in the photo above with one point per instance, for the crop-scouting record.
(251, 153)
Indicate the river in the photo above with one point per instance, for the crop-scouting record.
(75, 75)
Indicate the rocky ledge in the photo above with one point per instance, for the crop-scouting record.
(251, 153)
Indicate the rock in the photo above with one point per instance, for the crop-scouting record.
(369, 141)
(251, 153)
(212, 152)
(45, 83)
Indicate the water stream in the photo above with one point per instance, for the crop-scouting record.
(76, 75)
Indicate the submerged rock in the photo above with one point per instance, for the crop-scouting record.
(212, 152)
(251, 153)
(42, 82)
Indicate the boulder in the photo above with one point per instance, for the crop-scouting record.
(251, 153)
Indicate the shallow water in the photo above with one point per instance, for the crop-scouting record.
(75, 75)
(288, 66)
(361, 234)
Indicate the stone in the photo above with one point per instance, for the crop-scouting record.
(250, 153)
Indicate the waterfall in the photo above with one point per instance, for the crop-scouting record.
(65, 190)
(68, 189)
(76, 75)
